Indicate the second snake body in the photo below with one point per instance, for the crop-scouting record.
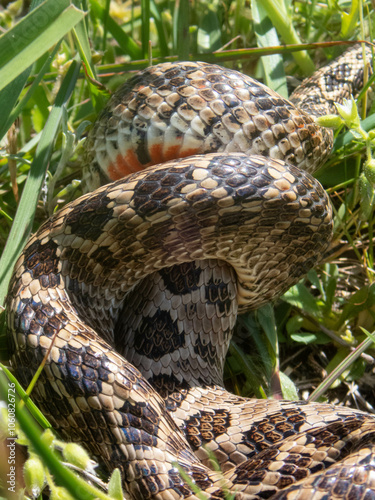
(136, 288)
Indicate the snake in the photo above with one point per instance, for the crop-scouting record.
(202, 206)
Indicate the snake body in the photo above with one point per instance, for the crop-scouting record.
(135, 288)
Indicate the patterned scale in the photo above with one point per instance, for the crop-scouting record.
(136, 289)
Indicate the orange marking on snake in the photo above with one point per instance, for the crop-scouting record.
(112, 172)
(124, 165)
(172, 152)
(156, 153)
(189, 152)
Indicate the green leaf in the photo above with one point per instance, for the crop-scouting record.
(331, 276)
(114, 486)
(348, 111)
(360, 301)
(34, 35)
(10, 94)
(40, 112)
(345, 139)
(336, 361)
(349, 21)
(300, 297)
(266, 318)
(310, 338)
(294, 324)
(209, 32)
(288, 388)
(313, 277)
(366, 193)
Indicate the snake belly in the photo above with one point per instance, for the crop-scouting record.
(135, 288)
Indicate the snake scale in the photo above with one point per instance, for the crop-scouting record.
(136, 286)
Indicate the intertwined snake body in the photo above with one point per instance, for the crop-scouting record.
(135, 288)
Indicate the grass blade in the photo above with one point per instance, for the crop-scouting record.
(33, 409)
(45, 25)
(127, 44)
(280, 18)
(80, 489)
(10, 96)
(344, 365)
(181, 36)
(145, 16)
(164, 51)
(273, 65)
(25, 214)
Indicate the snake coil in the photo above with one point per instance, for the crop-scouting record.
(135, 288)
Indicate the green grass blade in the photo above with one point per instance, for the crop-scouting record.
(344, 365)
(164, 51)
(8, 98)
(281, 19)
(266, 318)
(249, 371)
(26, 210)
(83, 45)
(349, 21)
(209, 32)
(181, 37)
(218, 57)
(127, 44)
(34, 35)
(11, 95)
(79, 489)
(273, 65)
(105, 24)
(33, 409)
(145, 17)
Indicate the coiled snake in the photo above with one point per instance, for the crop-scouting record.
(138, 284)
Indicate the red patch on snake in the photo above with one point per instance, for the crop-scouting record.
(189, 152)
(112, 172)
(175, 152)
(124, 165)
(156, 153)
(172, 152)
